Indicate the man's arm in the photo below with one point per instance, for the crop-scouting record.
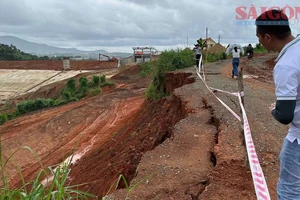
(284, 111)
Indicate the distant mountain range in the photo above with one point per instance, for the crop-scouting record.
(43, 49)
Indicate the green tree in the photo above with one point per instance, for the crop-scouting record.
(10, 52)
(201, 43)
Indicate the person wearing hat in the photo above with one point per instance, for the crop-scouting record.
(274, 33)
(197, 51)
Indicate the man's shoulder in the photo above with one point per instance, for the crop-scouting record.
(285, 70)
(291, 57)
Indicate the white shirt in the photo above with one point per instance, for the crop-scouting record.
(197, 50)
(287, 82)
(236, 54)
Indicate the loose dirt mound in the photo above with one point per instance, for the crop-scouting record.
(254, 65)
(130, 72)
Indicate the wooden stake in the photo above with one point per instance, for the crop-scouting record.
(241, 91)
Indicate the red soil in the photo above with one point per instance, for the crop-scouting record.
(189, 143)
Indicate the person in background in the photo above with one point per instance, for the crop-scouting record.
(250, 51)
(274, 33)
(197, 51)
(236, 52)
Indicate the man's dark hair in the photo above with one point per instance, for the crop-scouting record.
(273, 22)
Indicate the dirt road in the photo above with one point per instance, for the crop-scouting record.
(188, 142)
(205, 158)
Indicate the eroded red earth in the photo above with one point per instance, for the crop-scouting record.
(114, 132)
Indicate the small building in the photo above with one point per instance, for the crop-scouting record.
(209, 43)
(66, 63)
(143, 54)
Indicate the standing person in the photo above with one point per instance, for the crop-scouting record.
(274, 33)
(235, 61)
(197, 51)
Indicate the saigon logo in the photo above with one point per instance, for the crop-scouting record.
(247, 15)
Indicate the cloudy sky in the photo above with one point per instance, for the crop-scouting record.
(119, 25)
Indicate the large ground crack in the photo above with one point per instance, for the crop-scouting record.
(122, 154)
(196, 190)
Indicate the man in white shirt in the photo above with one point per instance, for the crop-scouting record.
(197, 51)
(274, 33)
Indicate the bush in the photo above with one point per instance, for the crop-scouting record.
(73, 99)
(259, 48)
(145, 69)
(103, 79)
(223, 56)
(71, 85)
(3, 119)
(32, 105)
(83, 82)
(168, 61)
(66, 94)
(95, 91)
(172, 60)
(59, 102)
(13, 115)
(50, 102)
(96, 80)
(212, 57)
(106, 83)
(82, 92)
(40, 104)
(153, 93)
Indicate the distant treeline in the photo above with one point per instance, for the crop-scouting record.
(10, 52)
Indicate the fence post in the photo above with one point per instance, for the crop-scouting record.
(241, 91)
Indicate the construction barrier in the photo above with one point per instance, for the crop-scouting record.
(259, 181)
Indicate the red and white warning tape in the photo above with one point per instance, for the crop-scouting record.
(226, 106)
(260, 185)
(231, 93)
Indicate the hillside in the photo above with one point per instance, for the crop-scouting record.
(50, 51)
(10, 52)
(36, 48)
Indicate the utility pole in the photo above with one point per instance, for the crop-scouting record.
(206, 45)
(219, 39)
(187, 41)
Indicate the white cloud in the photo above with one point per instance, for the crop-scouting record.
(114, 24)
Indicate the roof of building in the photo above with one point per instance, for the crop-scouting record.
(217, 48)
(209, 39)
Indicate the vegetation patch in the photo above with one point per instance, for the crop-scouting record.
(10, 52)
(69, 93)
(167, 61)
(55, 187)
